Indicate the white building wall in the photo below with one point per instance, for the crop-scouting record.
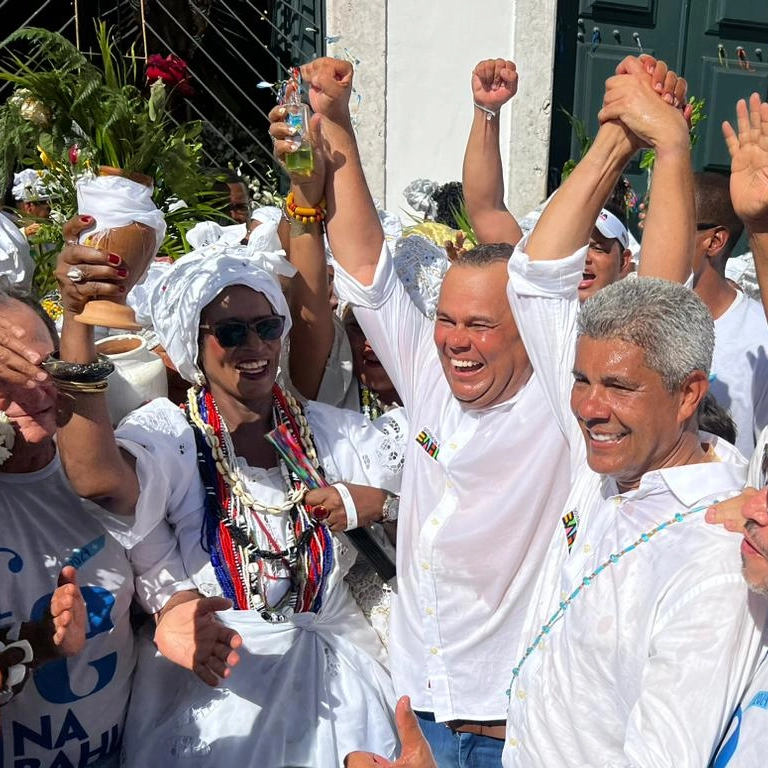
(413, 78)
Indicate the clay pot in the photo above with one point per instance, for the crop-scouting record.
(139, 374)
(136, 245)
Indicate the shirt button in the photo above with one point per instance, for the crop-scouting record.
(453, 446)
(521, 695)
(448, 484)
(429, 612)
(425, 566)
(435, 521)
(587, 549)
(434, 651)
(513, 742)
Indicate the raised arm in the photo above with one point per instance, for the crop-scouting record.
(352, 223)
(749, 180)
(312, 332)
(635, 113)
(494, 83)
(95, 465)
(670, 226)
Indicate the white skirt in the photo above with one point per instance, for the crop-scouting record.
(306, 692)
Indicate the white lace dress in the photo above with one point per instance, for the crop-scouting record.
(307, 690)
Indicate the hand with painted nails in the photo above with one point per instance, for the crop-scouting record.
(730, 513)
(494, 83)
(85, 273)
(307, 188)
(415, 751)
(748, 147)
(369, 503)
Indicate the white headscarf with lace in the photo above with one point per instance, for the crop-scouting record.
(177, 300)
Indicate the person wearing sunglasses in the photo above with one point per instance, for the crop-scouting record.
(206, 471)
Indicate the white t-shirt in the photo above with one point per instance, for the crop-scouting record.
(740, 368)
(70, 708)
(746, 743)
(482, 492)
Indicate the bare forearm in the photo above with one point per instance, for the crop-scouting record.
(352, 223)
(670, 227)
(483, 184)
(94, 464)
(312, 331)
(567, 221)
(758, 244)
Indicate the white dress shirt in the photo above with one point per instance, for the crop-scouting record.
(647, 664)
(481, 493)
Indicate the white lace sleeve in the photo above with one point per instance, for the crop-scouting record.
(352, 448)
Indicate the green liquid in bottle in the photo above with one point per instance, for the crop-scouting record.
(300, 161)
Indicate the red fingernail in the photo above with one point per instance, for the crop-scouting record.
(122, 272)
(113, 258)
(121, 288)
(86, 219)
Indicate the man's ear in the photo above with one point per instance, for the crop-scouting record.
(718, 240)
(626, 265)
(692, 392)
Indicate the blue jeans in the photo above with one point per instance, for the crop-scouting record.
(460, 750)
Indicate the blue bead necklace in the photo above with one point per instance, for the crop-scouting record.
(587, 581)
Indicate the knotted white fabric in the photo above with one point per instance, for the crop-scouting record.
(195, 280)
(115, 201)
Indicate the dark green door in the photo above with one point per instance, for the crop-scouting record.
(720, 46)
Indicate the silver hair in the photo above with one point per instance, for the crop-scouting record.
(668, 321)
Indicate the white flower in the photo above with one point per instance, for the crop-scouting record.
(7, 438)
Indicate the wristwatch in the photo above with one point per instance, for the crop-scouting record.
(390, 508)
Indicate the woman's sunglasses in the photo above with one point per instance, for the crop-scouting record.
(233, 333)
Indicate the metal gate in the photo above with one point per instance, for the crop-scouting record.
(229, 45)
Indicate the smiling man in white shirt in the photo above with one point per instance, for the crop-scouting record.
(486, 468)
(641, 635)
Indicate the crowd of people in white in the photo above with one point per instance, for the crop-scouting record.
(546, 437)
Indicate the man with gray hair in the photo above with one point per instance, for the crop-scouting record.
(641, 634)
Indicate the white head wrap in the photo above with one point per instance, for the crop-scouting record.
(195, 280)
(421, 266)
(115, 201)
(28, 187)
(418, 194)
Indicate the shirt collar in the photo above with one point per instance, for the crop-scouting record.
(688, 483)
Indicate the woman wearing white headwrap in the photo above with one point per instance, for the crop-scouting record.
(310, 685)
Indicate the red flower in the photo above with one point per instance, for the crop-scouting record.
(172, 70)
(74, 153)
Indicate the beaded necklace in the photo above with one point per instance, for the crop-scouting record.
(236, 533)
(587, 581)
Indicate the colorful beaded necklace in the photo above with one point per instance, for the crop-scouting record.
(236, 531)
(587, 581)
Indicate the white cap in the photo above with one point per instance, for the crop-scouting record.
(28, 187)
(611, 227)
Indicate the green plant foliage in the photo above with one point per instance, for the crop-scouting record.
(69, 115)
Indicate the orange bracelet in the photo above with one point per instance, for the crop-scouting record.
(304, 215)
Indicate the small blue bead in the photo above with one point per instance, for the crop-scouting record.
(679, 518)
(587, 581)
(644, 537)
(614, 558)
